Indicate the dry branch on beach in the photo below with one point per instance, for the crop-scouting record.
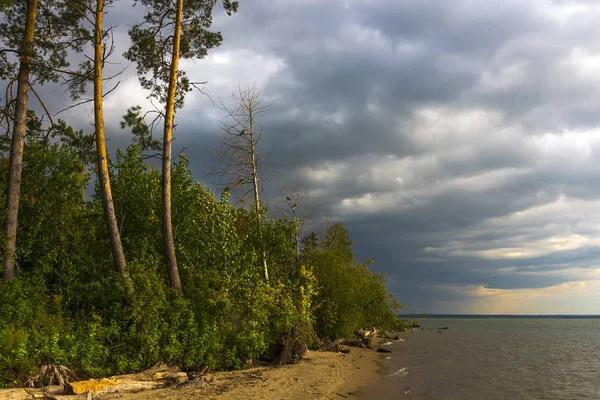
(155, 378)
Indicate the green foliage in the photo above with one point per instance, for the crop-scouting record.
(65, 305)
(152, 43)
(351, 296)
(57, 20)
(142, 131)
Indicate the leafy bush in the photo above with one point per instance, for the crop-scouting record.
(66, 305)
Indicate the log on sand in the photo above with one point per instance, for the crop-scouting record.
(117, 385)
(106, 388)
(49, 393)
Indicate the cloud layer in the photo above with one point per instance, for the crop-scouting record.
(459, 141)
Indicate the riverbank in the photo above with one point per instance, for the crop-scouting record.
(320, 375)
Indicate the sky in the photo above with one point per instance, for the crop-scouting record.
(457, 140)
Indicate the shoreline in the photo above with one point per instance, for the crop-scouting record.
(320, 375)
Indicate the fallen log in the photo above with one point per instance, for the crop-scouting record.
(27, 394)
(116, 386)
(331, 346)
(344, 349)
(155, 378)
(14, 394)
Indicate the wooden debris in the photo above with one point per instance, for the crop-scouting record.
(291, 349)
(154, 378)
(51, 374)
(332, 346)
(27, 394)
(366, 333)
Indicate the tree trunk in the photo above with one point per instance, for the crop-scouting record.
(169, 243)
(15, 168)
(296, 233)
(256, 198)
(103, 176)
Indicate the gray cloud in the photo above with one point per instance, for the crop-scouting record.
(457, 140)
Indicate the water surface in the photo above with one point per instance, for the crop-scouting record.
(493, 358)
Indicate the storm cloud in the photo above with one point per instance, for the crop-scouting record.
(459, 141)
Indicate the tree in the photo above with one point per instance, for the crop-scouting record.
(337, 239)
(77, 37)
(18, 141)
(33, 36)
(169, 33)
(297, 197)
(237, 163)
(102, 158)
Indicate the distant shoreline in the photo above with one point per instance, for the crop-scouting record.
(506, 316)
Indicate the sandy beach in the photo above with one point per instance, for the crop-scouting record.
(320, 375)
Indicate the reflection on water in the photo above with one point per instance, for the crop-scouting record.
(493, 359)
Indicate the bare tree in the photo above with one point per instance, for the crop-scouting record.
(237, 161)
(297, 199)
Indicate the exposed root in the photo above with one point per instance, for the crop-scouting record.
(292, 348)
(51, 374)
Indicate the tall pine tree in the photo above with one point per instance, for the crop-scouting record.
(33, 40)
(172, 30)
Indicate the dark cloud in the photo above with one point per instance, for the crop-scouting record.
(457, 140)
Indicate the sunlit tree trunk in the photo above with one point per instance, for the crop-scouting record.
(15, 168)
(256, 190)
(169, 243)
(103, 176)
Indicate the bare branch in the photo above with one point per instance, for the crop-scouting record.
(86, 101)
(42, 104)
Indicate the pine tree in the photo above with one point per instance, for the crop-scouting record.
(172, 30)
(33, 40)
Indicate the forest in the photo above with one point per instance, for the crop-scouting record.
(112, 263)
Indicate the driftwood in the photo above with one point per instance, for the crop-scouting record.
(155, 378)
(51, 374)
(363, 343)
(332, 346)
(363, 340)
(380, 350)
(366, 333)
(49, 393)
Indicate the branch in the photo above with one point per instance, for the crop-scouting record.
(196, 85)
(42, 104)
(86, 101)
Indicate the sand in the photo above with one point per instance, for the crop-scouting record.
(321, 375)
